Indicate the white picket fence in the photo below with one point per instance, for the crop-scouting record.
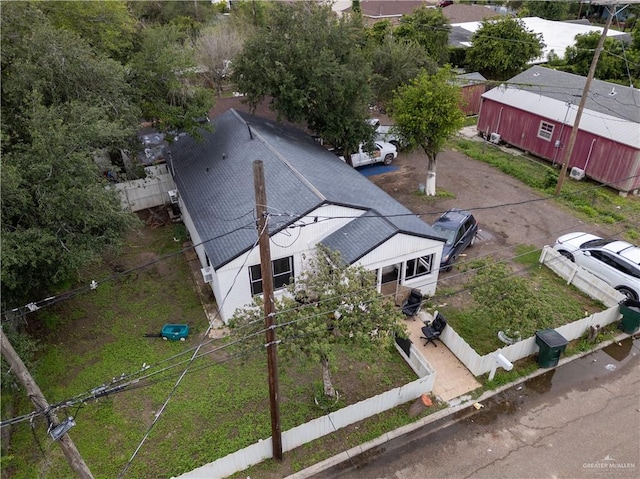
(575, 275)
(148, 192)
(305, 433)
(580, 277)
(477, 364)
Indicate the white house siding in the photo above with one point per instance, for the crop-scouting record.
(403, 247)
(301, 241)
(296, 242)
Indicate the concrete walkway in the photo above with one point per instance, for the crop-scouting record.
(453, 379)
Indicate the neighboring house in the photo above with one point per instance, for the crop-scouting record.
(535, 111)
(313, 197)
(376, 10)
(557, 36)
(460, 13)
(472, 86)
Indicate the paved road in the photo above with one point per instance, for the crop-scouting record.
(579, 421)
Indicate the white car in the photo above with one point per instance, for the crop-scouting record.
(383, 133)
(613, 261)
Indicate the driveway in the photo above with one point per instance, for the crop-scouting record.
(509, 212)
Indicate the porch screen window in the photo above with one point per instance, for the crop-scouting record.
(282, 274)
(418, 266)
(546, 131)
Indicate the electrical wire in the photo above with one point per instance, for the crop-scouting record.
(190, 362)
(139, 382)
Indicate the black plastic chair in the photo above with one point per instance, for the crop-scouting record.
(411, 306)
(432, 331)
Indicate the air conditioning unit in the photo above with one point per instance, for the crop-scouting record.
(576, 173)
(495, 138)
(207, 274)
(174, 195)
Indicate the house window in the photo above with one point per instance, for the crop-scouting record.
(282, 274)
(546, 130)
(418, 266)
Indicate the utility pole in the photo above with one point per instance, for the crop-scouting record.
(35, 394)
(583, 100)
(269, 307)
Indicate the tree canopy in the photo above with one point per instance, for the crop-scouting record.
(165, 74)
(395, 63)
(117, 26)
(62, 104)
(330, 303)
(427, 112)
(611, 63)
(313, 67)
(502, 48)
(430, 29)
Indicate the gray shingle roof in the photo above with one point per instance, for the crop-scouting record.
(215, 180)
(567, 87)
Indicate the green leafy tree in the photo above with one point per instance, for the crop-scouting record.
(314, 67)
(330, 303)
(251, 12)
(377, 32)
(107, 26)
(633, 54)
(394, 64)
(57, 214)
(61, 103)
(502, 48)
(547, 10)
(165, 74)
(426, 113)
(429, 28)
(151, 12)
(611, 63)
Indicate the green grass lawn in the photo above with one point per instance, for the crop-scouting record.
(220, 407)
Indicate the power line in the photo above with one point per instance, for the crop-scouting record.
(139, 382)
(190, 362)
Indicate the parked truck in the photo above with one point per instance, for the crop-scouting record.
(383, 133)
(382, 153)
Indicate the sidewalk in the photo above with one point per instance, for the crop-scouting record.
(453, 379)
(448, 416)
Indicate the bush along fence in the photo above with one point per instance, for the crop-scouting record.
(317, 428)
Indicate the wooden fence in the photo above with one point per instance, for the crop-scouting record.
(148, 192)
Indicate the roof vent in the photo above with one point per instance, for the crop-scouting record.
(613, 92)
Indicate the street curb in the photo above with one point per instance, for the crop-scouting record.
(437, 416)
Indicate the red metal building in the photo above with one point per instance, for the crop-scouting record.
(472, 86)
(535, 112)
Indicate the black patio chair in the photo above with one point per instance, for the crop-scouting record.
(411, 306)
(432, 331)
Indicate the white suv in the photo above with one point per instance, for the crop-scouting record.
(613, 261)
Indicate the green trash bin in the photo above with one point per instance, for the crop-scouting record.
(551, 344)
(630, 310)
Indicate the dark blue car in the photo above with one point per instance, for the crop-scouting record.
(459, 228)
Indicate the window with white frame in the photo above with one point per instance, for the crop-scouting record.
(546, 130)
(282, 274)
(418, 266)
